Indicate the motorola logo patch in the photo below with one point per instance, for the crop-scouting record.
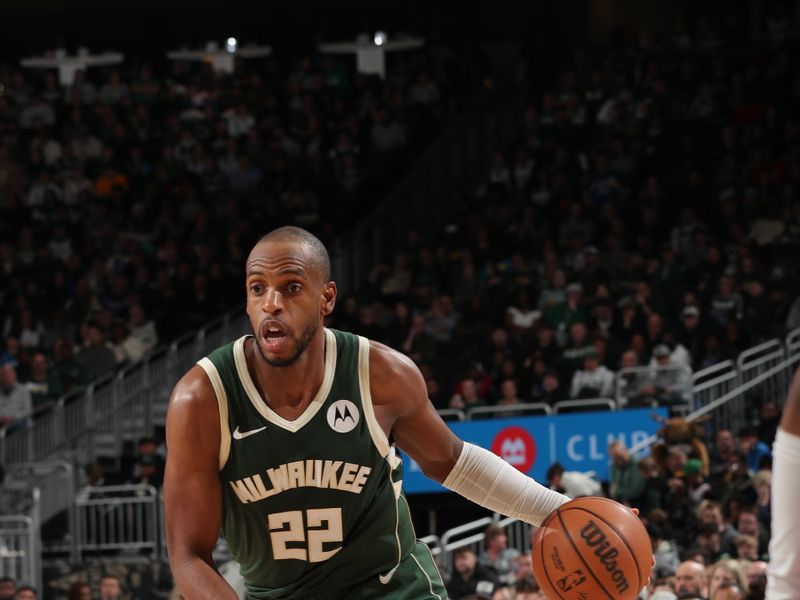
(343, 416)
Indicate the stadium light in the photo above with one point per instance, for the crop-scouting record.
(231, 44)
(380, 38)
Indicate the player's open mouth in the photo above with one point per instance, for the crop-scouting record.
(273, 335)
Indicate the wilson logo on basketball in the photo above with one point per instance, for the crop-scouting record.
(515, 446)
(595, 538)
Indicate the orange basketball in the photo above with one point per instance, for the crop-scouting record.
(592, 549)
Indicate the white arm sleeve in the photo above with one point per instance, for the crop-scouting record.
(488, 480)
(783, 577)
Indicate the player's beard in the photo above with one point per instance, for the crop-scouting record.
(302, 343)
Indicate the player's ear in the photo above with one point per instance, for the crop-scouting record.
(328, 298)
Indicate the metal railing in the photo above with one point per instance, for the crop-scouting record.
(126, 405)
(509, 410)
(119, 518)
(729, 392)
(20, 544)
(452, 414)
(565, 406)
(472, 535)
(116, 408)
(55, 482)
(628, 383)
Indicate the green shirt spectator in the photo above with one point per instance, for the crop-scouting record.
(626, 484)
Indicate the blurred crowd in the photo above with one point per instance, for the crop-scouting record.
(129, 200)
(644, 215)
(706, 509)
(109, 587)
(642, 224)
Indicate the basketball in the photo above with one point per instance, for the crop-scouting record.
(592, 548)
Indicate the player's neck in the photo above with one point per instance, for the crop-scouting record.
(294, 386)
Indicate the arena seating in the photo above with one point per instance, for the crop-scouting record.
(631, 244)
(128, 202)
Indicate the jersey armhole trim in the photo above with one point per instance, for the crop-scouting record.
(222, 403)
(375, 431)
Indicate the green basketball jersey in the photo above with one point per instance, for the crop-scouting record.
(312, 508)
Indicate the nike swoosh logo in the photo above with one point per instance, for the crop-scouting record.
(240, 435)
(384, 579)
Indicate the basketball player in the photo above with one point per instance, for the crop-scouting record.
(285, 440)
(783, 575)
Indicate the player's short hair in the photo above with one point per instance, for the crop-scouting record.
(315, 247)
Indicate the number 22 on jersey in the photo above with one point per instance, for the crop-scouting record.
(322, 525)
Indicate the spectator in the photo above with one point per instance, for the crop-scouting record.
(521, 317)
(690, 333)
(665, 551)
(508, 393)
(728, 591)
(634, 383)
(671, 383)
(754, 451)
(469, 577)
(79, 590)
(747, 548)
(96, 358)
(710, 511)
(497, 555)
(556, 294)
(725, 453)
(756, 572)
(466, 396)
(625, 481)
(691, 580)
(551, 390)
(727, 571)
(593, 381)
(656, 491)
(522, 567)
(748, 524)
(562, 316)
(149, 467)
(578, 347)
(526, 588)
(146, 472)
(95, 475)
(707, 546)
(442, 319)
(26, 592)
(15, 399)
(727, 305)
(67, 370)
(8, 588)
(142, 336)
(42, 384)
(110, 588)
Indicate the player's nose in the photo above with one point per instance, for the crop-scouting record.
(273, 302)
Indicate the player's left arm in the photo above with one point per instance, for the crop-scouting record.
(401, 404)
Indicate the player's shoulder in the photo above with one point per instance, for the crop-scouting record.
(388, 362)
(393, 376)
(193, 392)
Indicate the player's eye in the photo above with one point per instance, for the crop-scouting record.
(293, 288)
(256, 288)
